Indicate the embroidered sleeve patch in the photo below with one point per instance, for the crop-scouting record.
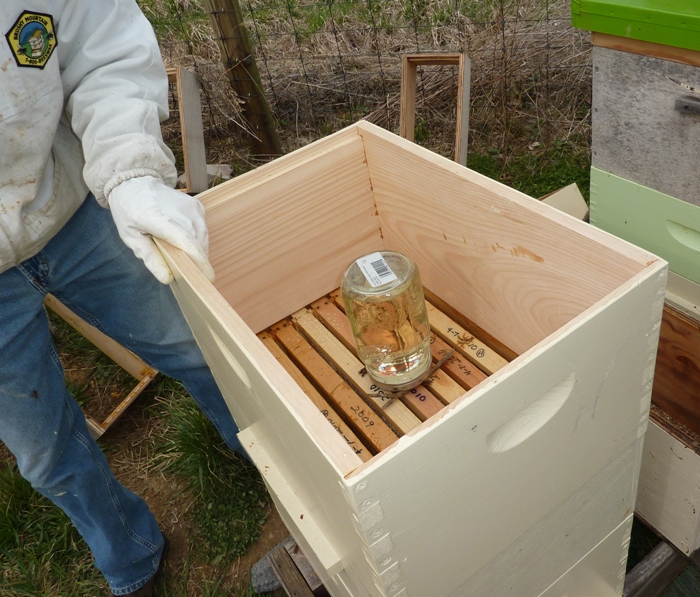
(32, 39)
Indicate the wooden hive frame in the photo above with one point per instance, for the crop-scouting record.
(316, 347)
(126, 359)
(409, 71)
(190, 109)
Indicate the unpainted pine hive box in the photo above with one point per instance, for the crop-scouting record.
(525, 485)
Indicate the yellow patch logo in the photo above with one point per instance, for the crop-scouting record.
(32, 39)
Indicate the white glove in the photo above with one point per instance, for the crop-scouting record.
(145, 207)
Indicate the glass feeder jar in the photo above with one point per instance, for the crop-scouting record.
(384, 301)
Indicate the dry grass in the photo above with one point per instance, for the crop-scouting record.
(327, 64)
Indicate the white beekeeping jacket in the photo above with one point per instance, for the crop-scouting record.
(83, 90)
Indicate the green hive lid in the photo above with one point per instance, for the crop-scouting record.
(670, 22)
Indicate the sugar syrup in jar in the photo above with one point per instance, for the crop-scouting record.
(384, 301)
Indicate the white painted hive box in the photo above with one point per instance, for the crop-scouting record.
(525, 485)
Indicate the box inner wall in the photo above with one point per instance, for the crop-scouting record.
(282, 237)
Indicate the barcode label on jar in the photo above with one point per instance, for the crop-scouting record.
(376, 269)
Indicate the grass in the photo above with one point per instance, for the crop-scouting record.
(538, 172)
(230, 494)
(171, 20)
(42, 553)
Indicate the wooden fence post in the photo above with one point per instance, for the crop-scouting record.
(242, 72)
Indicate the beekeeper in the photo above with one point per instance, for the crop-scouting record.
(86, 182)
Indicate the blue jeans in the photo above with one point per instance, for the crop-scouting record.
(90, 270)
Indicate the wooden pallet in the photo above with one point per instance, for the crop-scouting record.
(293, 571)
(316, 347)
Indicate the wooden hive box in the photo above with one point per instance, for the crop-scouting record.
(524, 484)
(644, 182)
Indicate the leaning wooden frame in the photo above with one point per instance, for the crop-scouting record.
(409, 74)
(528, 479)
(188, 104)
(127, 360)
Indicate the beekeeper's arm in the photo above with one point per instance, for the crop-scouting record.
(116, 91)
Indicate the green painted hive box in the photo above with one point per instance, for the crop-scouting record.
(646, 124)
(668, 22)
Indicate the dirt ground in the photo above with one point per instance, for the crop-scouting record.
(128, 444)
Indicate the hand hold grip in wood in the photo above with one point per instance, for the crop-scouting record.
(532, 418)
(688, 237)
